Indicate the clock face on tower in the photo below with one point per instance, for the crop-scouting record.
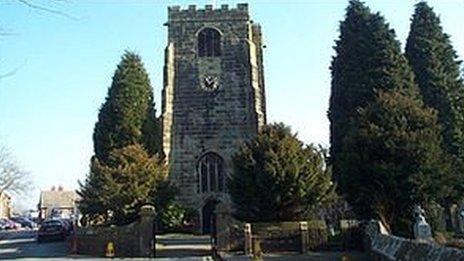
(209, 83)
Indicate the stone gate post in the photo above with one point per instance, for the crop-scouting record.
(248, 242)
(304, 236)
(146, 236)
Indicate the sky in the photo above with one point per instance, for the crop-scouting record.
(60, 68)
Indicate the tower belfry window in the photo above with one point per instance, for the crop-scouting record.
(209, 43)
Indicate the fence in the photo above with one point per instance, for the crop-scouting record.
(234, 235)
(273, 237)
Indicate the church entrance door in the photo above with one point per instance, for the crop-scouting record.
(208, 217)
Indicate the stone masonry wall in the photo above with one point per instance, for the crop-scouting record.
(196, 121)
(389, 247)
(92, 241)
(133, 240)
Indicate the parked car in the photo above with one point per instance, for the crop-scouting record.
(9, 224)
(3, 224)
(51, 229)
(24, 222)
(69, 225)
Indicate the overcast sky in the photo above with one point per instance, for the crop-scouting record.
(63, 68)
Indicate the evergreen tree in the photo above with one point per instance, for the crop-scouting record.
(93, 202)
(395, 160)
(115, 191)
(434, 62)
(277, 178)
(124, 173)
(368, 57)
(128, 116)
(385, 143)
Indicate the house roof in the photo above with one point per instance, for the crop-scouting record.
(57, 199)
(5, 195)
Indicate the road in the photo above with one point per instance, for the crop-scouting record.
(23, 244)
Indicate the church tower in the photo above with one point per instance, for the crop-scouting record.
(213, 99)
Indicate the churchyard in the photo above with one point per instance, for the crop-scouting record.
(210, 178)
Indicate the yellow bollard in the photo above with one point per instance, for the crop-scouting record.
(109, 250)
(345, 257)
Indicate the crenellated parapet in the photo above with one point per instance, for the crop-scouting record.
(209, 13)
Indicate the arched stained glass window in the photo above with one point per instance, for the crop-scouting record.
(209, 43)
(211, 173)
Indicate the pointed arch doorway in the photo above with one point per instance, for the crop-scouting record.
(208, 216)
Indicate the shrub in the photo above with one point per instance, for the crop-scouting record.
(277, 178)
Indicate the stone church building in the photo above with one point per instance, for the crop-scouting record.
(213, 99)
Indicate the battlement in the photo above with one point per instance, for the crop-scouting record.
(209, 13)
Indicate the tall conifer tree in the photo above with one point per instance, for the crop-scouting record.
(368, 57)
(128, 115)
(384, 142)
(435, 64)
(124, 169)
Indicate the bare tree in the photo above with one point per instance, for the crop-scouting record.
(13, 178)
(39, 6)
(35, 5)
(10, 73)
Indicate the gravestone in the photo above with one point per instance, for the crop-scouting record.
(460, 218)
(422, 230)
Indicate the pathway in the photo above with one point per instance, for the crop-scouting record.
(183, 245)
